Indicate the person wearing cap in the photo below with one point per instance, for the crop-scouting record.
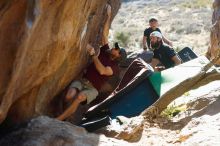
(153, 26)
(104, 65)
(163, 54)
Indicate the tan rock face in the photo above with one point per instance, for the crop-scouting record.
(214, 49)
(42, 48)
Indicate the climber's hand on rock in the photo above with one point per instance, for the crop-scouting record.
(90, 50)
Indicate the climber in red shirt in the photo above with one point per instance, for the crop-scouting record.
(104, 65)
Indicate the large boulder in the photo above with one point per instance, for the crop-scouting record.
(42, 48)
(44, 131)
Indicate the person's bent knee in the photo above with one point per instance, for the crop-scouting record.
(71, 93)
(81, 97)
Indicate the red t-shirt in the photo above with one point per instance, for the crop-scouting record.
(93, 75)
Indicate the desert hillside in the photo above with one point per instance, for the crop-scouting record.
(185, 22)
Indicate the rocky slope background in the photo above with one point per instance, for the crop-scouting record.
(192, 119)
(184, 22)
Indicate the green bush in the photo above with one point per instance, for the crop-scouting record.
(122, 38)
(171, 111)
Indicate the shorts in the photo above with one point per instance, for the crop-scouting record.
(85, 87)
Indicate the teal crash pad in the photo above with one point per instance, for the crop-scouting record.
(169, 78)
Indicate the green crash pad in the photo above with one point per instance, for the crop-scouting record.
(169, 78)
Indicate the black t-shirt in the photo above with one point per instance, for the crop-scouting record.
(147, 33)
(164, 53)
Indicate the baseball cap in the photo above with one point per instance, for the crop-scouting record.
(156, 34)
(122, 52)
(153, 19)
